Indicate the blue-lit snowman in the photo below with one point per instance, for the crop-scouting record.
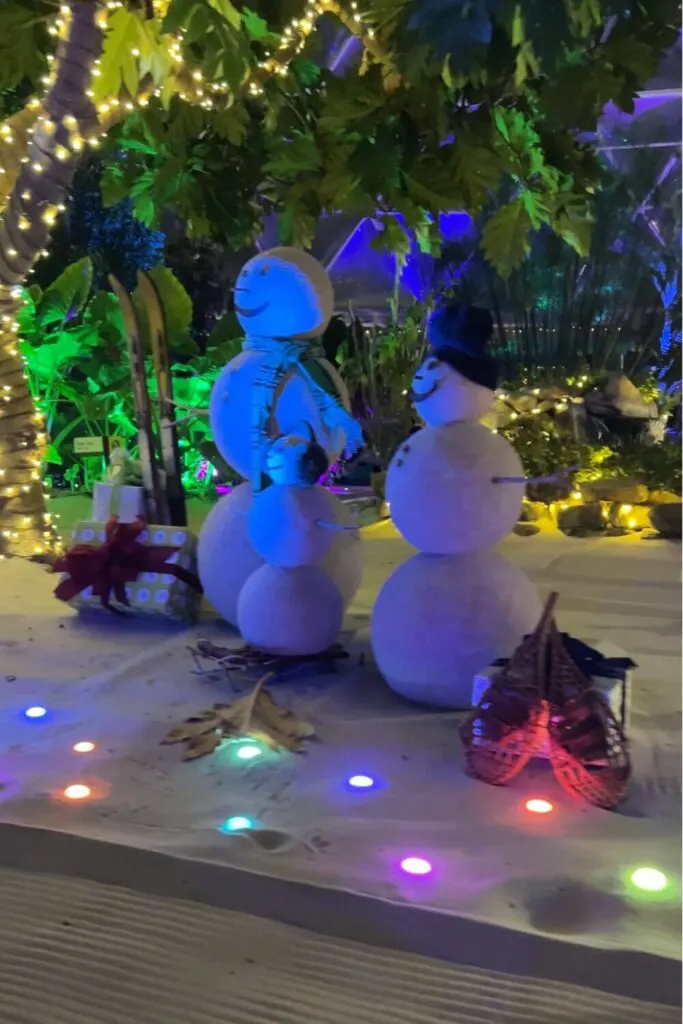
(279, 557)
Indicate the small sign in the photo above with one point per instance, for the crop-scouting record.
(88, 446)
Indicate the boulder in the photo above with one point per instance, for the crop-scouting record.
(667, 519)
(620, 396)
(637, 517)
(533, 511)
(577, 519)
(663, 498)
(623, 489)
(526, 529)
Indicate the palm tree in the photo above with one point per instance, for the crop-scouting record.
(65, 117)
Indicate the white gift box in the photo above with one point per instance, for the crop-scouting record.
(617, 691)
(120, 500)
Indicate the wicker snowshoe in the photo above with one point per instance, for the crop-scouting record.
(588, 749)
(541, 693)
(509, 725)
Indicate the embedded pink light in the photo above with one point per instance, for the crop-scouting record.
(416, 866)
(77, 792)
(83, 747)
(537, 806)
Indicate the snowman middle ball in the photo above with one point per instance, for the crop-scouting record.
(442, 492)
(284, 524)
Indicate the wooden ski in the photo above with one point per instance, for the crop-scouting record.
(157, 507)
(168, 434)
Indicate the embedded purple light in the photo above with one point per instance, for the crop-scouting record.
(416, 866)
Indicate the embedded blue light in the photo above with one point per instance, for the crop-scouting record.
(35, 712)
(362, 782)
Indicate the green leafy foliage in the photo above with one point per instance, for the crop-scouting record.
(68, 293)
(23, 41)
(119, 67)
(73, 340)
(456, 105)
(176, 305)
(212, 31)
(505, 238)
(203, 166)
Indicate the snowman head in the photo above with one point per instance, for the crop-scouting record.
(457, 378)
(296, 461)
(283, 293)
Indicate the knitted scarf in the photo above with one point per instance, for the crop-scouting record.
(280, 359)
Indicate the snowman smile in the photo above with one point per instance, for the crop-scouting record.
(420, 396)
(251, 312)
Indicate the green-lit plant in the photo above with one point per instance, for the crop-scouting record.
(74, 344)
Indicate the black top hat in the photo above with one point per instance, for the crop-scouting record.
(458, 336)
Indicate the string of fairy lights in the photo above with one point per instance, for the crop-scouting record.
(63, 140)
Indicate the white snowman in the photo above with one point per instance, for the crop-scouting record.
(455, 491)
(278, 415)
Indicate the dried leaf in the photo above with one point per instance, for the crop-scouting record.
(199, 746)
(276, 726)
(204, 723)
(256, 716)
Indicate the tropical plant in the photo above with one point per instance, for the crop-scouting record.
(73, 341)
(377, 365)
(462, 106)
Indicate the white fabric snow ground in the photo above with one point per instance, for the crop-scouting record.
(564, 877)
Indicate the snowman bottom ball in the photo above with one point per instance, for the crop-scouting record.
(225, 556)
(438, 620)
(343, 563)
(290, 611)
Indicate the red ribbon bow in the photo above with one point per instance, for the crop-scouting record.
(108, 567)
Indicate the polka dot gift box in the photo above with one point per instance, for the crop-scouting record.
(152, 594)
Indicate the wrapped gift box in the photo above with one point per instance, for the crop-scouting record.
(155, 595)
(615, 683)
(122, 500)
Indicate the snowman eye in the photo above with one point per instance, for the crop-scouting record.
(264, 270)
(432, 364)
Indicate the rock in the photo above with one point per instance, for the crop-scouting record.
(636, 518)
(533, 511)
(624, 489)
(663, 498)
(621, 396)
(526, 529)
(581, 519)
(667, 519)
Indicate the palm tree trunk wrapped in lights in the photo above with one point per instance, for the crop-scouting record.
(67, 117)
